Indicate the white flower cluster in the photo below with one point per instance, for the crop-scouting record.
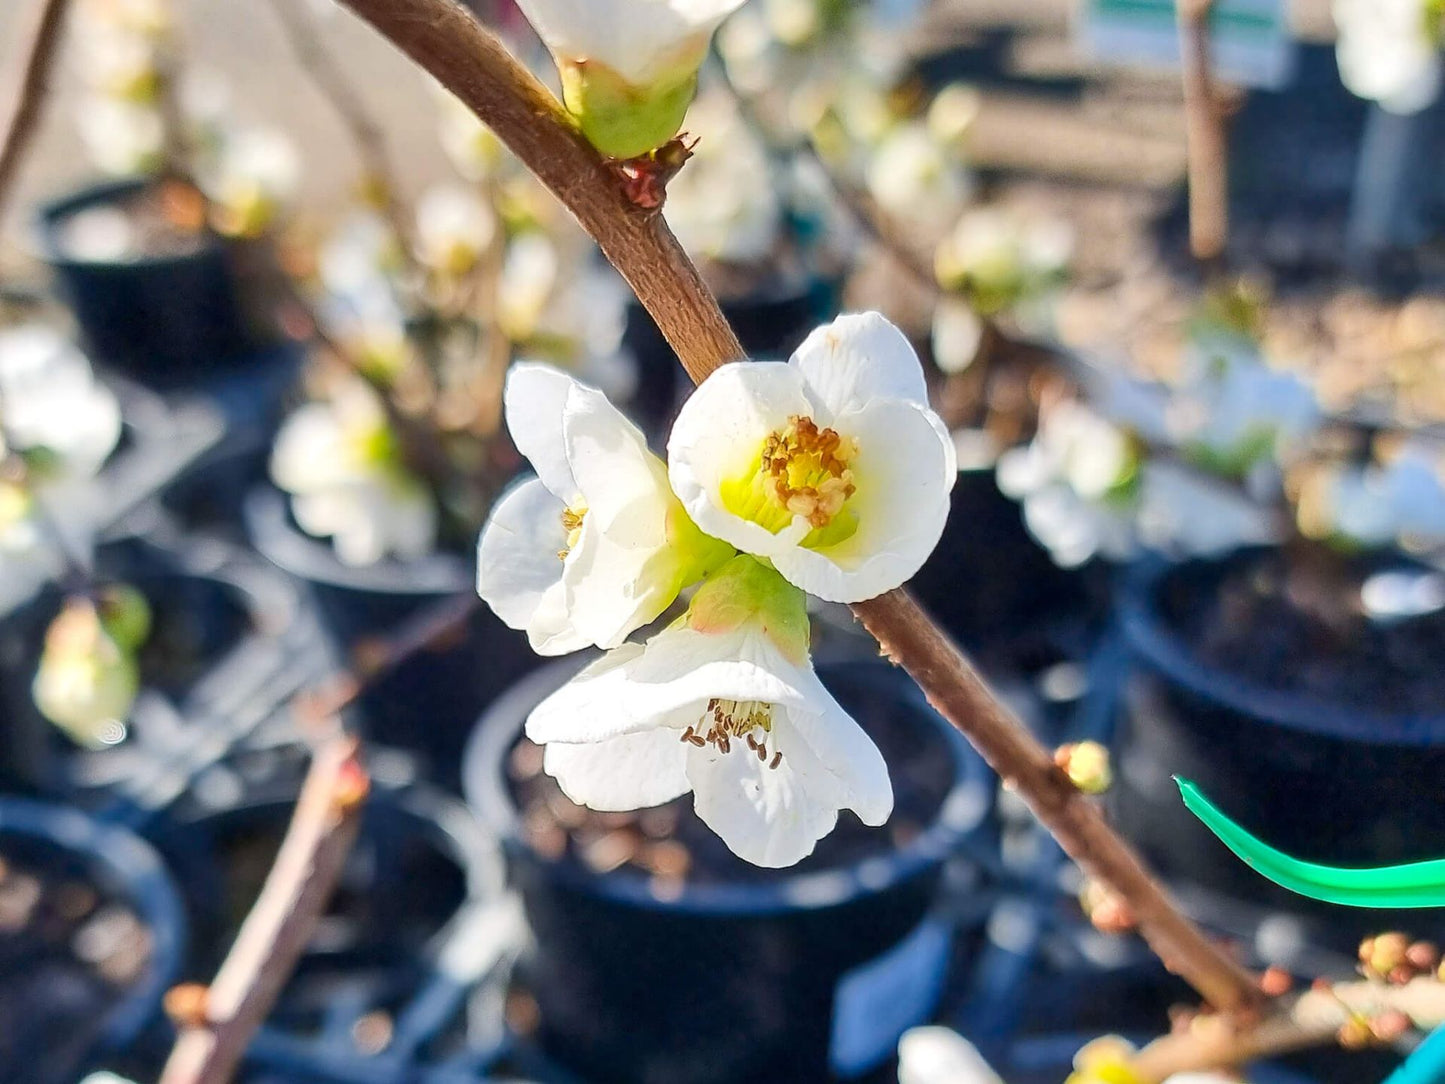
(827, 474)
(1389, 51)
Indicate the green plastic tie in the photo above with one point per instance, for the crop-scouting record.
(1416, 884)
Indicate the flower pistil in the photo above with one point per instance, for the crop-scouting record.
(801, 470)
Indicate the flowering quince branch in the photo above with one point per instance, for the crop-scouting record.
(215, 1024)
(28, 95)
(450, 44)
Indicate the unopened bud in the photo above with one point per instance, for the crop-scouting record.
(1390, 1025)
(1387, 952)
(1086, 763)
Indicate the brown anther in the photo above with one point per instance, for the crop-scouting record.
(686, 735)
(186, 1005)
(1276, 981)
(777, 759)
(697, 741)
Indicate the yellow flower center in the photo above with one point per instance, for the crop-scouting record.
(572, 518)
(800, 470)
(725, 720)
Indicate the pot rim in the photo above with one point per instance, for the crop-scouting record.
(963, 811)
(1151, 640)
(135, 868)
(269, 528)
(45, 241)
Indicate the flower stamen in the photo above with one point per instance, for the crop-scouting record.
(573, 517)
(806, 470)
(729, 719)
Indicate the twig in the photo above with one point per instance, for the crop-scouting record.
(1208, 150)
(30, 90)
(331, 81)
(1294, 1022)
(217, 1024)
(448, 42)
(374, 658)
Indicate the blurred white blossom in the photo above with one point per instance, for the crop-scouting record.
(917, 182)
(1389, 51)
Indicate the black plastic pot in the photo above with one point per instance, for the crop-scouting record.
(1321, 780)
(770, 324)
(416, 921)
(429, 703)
(996, 590)
(215, 620)
(167, 321)
(53, 1023)
(806, 974)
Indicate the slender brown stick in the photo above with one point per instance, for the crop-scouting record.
(448, 42)
(1294, 1022)
(366, 134)
(217, 1024)
(1205, 136)
(27, 96)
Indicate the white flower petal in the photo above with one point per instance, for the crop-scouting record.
(905, 470)
(718, 436)
(517, 566)
(770, 817)
(535, 400)
(848, 753)
(856, 358)
(633, 771)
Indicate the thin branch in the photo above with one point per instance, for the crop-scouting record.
(1207, 147)
(448, 42)
(29, 92)
(328, 77)
(1294, 1022)
(217, 1024)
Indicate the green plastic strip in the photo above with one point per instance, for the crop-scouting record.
(1418, 884)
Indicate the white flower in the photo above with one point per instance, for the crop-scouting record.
(51, 404)
(27, 558)
(629, 67)
(597, 545)
(724, 703)
(257, 172)
(339, 461)
(831, 465)
(938, 1055)
(1241, 413)
(723, 206)
(1379, 505)
(474, 149)
(916, 181)
(454, 227)
(998, 260)
(957, 332)
(122, 137)
(1388, 52)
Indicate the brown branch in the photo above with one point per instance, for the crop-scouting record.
(366, 134)
(1205, 136)
(1294, 1022)
(449, 43)
(28, 94)
(217, 1024)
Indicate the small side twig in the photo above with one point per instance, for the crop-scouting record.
(366, 134)
(1205, 136)
(29, 92)
(216, 1024)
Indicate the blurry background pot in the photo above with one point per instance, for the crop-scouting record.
(429, 703)
(92, 937)
(713, 970)
(170, 316)
(1337, 760)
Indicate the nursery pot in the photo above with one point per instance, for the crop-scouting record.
(1329, 779)
(766, 976)
(429, 702)
(201, 615)
(171, 320)
(770, 323)
(93, 938)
